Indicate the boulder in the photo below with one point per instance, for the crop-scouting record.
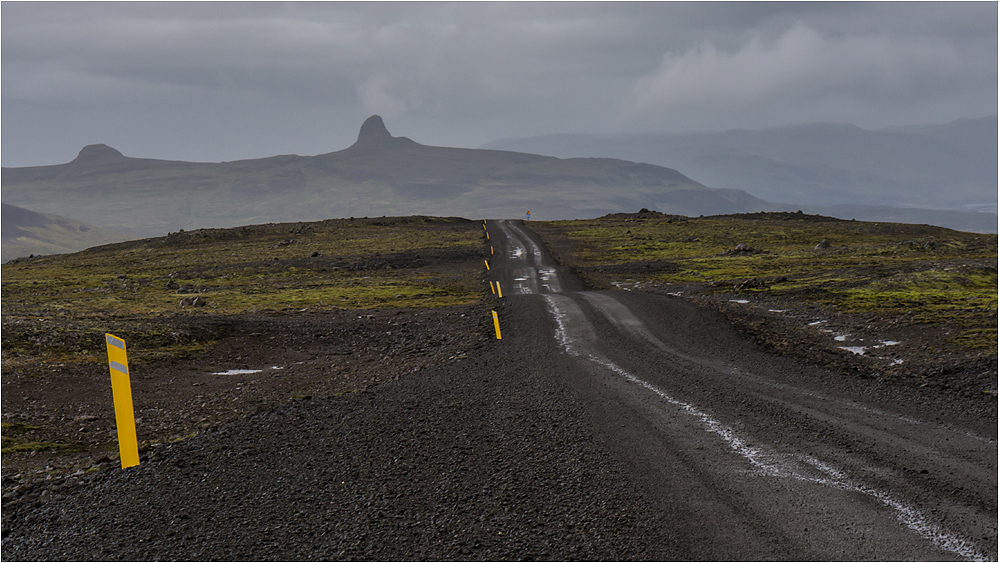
(192, 302)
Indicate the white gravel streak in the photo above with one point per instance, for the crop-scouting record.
(238, 372)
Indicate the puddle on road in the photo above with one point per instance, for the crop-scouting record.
(861, 350)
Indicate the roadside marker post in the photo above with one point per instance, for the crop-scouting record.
(493, 289)
(487, 264)
(496, 324)
(499, 292)
(121, 389)
(491, 251)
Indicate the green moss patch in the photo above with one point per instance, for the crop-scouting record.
(916, 273)
(57, 308)
(17, 437)
(11, 445)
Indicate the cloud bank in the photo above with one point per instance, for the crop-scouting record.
(805, 75)
(221, 81)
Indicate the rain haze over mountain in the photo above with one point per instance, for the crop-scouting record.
(215, 82)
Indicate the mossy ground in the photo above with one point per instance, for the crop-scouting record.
(915, 274)
(19, 437)
(320, 307)
(55, 308)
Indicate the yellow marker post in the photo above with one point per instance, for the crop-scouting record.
(493, 289)
(499, 292)
(487, 264)
(121, 389)
(487, 235)
(491, 251)
(496, 324)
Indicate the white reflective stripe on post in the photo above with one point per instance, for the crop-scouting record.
(121, 391)
(499, 336)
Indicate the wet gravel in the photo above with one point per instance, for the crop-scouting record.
(459, 447)
(490, 457)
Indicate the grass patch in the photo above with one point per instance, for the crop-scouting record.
(11, 446)
(367, 262)
(20, 443)
(57, 308)
(918, 273)
(979, 338)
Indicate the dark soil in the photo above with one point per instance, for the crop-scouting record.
(921, 358)
(379, 435)
(308, 353)
(462, 450)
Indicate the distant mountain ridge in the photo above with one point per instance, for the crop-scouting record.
(951, 166)
(377, 175)
(385, 175)
(26, 232)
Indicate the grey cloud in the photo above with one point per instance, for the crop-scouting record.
(803, 66)
(218, 81)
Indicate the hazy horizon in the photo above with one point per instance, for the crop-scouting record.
(487, 147)
(212, 82)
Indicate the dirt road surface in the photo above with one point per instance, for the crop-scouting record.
(604, 425)
(761, 454)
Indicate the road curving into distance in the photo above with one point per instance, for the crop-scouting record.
(605, 425)
(761, 455)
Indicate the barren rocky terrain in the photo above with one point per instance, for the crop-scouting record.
(412, 433)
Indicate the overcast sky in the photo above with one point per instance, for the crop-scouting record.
(226, 81)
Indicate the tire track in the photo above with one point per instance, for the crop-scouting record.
(766, 461)
(632, 339)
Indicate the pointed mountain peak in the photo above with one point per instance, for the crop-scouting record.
(373, 134)
(98, 153)
(373, 130)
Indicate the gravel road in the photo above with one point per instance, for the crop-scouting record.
(604, 425)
